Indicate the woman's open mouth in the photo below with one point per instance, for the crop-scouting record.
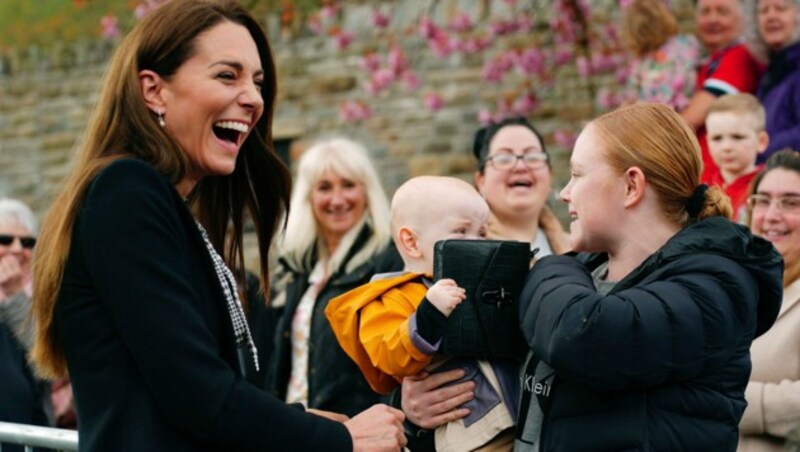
(232, 132)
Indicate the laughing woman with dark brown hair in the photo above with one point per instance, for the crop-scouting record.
(135, 295)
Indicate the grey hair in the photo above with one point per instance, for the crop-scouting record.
(758, 48)
(347, 159)
(743, 6)
(15, 212)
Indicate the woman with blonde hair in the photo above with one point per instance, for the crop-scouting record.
(640, 342)
(337, 237)
(136, 295)
(663, 61)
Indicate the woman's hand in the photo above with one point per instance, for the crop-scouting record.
(427, 404)
(12, 278)
(378, 428)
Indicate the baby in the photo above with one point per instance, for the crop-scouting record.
(393, 326)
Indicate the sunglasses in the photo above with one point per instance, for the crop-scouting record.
(26, 242)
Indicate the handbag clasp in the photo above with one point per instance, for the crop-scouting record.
(497, 297)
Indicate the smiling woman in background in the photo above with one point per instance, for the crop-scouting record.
(775, 40)
(22, 397)
(515, 177)
(773, 393)
(336, 235)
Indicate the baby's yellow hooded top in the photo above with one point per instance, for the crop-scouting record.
(375, 326)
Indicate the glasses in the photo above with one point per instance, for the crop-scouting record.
(26, 242)
(506, 161)
(785, 204)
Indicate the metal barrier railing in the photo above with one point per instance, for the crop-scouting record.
(32, 436)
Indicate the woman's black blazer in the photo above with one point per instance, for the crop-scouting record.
(149, 345)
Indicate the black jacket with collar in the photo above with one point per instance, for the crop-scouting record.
(662, 361)
(142, 319)
(334, 381)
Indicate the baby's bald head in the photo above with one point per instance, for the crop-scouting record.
(420, 198)
(427, 209)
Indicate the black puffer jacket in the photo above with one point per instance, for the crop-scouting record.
(334, 381)
(662, 361)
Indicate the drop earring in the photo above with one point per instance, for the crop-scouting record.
(161, 121)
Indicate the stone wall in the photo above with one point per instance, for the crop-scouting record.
(45, 100)
(46, 96)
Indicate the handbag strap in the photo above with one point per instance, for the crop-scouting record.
(482, 296)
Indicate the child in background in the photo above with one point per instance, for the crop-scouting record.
(393, 326)
(735, 126)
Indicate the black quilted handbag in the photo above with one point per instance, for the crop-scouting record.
(492, 272)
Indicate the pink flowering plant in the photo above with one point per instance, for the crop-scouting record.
(521, 47)
(522, 51)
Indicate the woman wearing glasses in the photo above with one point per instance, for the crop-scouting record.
(514, 175)
(17, 226)
(22, 398)
(773, 393)
(515, 178)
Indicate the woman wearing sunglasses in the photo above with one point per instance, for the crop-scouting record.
(22, 397)
(17, 238)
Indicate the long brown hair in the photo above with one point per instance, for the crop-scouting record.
(121, 125)
(657, 140)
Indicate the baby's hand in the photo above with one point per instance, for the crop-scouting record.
(446, 295)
